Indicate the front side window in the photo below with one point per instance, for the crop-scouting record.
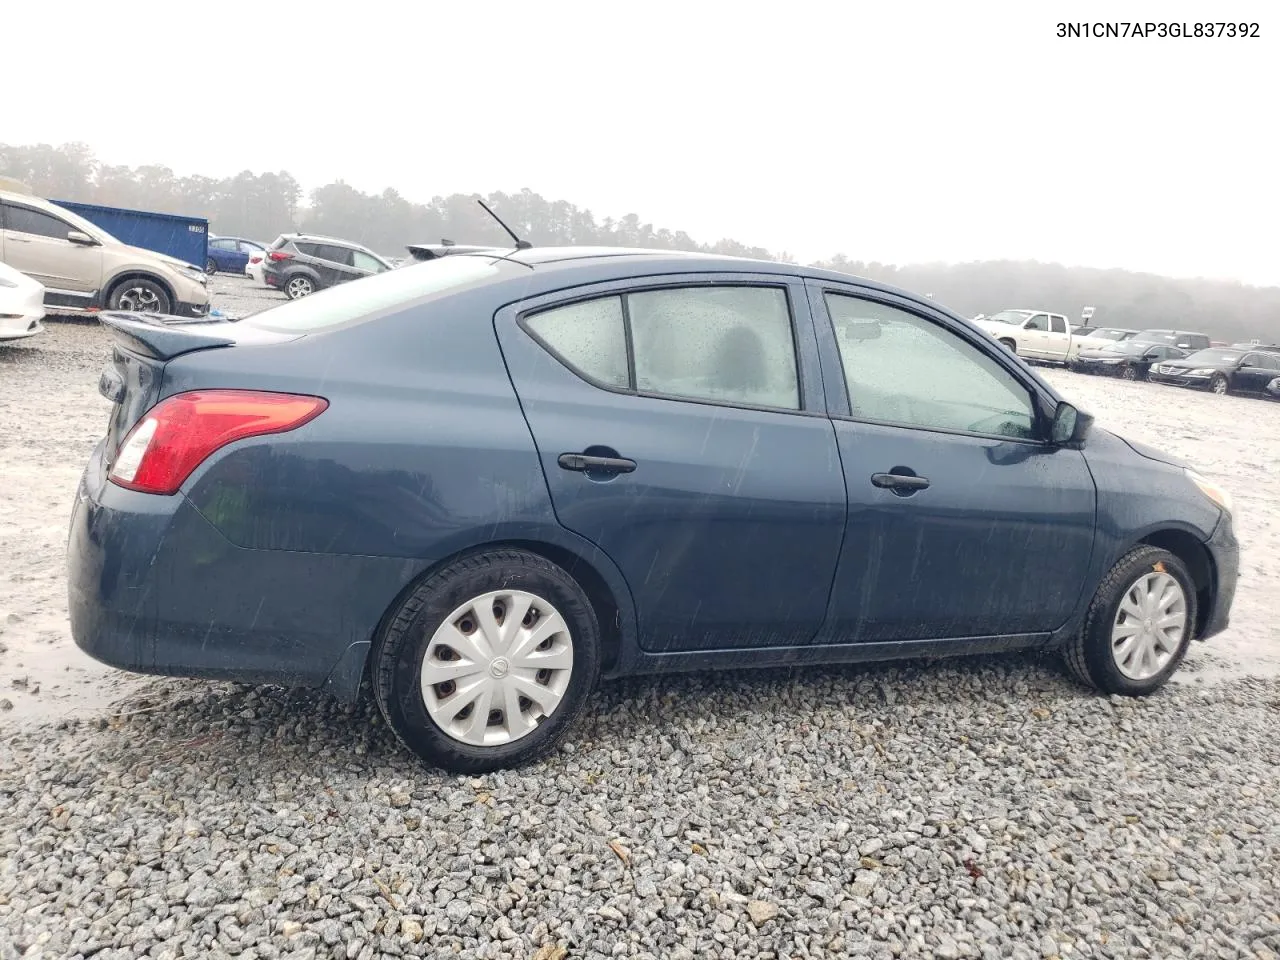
(34, 222)
(363, 261)
(902, 369)
(1039, 322)
(731, 344)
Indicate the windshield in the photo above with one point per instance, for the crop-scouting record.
(358, 299)
(1216, 357)
(1128, 347)
(1109, 334)
(1010, 316)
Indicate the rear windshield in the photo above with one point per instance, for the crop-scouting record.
(358, 299)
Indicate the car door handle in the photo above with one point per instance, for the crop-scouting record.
(898, 481)
(583, 463)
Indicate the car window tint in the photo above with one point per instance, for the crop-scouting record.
(333, 253)
(308, 249)
(588, 336)
(903, 369)
(1059, 324)
(732, 344)
(26, 220)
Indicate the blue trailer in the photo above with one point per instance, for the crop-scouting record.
(186, 238)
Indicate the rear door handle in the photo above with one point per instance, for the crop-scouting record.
(584, 463)
(899, 481)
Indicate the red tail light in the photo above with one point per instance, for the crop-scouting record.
(255, 259)
(278, 255)
(180, 433)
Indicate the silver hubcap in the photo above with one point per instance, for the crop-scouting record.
(140, 300)
(1219, 386)
(497, 667)
(299, 287)
(1149, 626)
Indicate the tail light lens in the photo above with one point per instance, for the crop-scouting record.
(255, 259)
(278, 255)
(181, 432)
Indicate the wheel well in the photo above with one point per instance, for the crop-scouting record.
(139, 275)
(1192, 552)
(608, 617)
(598, 593)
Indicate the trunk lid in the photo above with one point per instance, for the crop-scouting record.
(143, 345)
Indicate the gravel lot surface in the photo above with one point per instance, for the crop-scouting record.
(969, 808)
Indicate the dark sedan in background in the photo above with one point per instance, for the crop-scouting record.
(1221, 370)
(1128, 359)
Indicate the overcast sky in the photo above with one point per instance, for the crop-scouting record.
(894, 132)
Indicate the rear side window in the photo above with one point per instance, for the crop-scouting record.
(350, 302)
(731, 344)
(334, 254)
(307, 249)
(1059, 324)
(26, 220)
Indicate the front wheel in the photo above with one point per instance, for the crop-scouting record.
(140, 296)
(1139, 625)
(210, 267)
(1219, 384)
(487, 662)
(1009, 345)
(296, 288)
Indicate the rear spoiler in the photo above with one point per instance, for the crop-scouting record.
(163, 338)
(432, 251)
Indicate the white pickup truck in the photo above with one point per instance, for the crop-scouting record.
(1032, 334)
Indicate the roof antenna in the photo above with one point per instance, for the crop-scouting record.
(520, 244)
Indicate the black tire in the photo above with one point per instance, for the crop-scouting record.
(299, 285)
(140, 294)
(210, 267)
(1219, 385)
(1088, 654)
(399, 650)
(1130, 372)
(1010, 346)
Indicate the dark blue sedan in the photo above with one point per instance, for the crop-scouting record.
(231, 254)
(487, 480)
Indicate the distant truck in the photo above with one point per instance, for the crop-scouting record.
(1033, 334)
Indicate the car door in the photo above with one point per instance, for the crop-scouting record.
(1255, 372)
(36, 244)
(681, 430)
(221, 252)
(962, 521)
(1035, 335)
(335, 264)
(1057, 340)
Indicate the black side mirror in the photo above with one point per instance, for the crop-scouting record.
(1070, 426)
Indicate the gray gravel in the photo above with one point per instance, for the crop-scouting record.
(986, 808)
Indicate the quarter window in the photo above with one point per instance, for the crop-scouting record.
(588, 336)
(902, 369)
(731, 344)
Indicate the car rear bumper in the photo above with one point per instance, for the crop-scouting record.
(154, 588)
(1224, 551)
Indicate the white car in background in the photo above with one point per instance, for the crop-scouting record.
(253, 269)
(21, 304)
(1033, 334)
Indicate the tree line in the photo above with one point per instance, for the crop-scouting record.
(263, 205)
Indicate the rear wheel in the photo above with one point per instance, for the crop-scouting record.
(299, 286)
(1139, 625)
(487, 662)
(1129, 372)
(1219, 384)
(140, 296)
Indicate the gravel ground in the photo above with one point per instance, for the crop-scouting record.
(970, 808)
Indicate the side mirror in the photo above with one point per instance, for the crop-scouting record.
(1070, 426)
(77, 236)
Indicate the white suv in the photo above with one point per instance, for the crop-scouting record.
(84, 268)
